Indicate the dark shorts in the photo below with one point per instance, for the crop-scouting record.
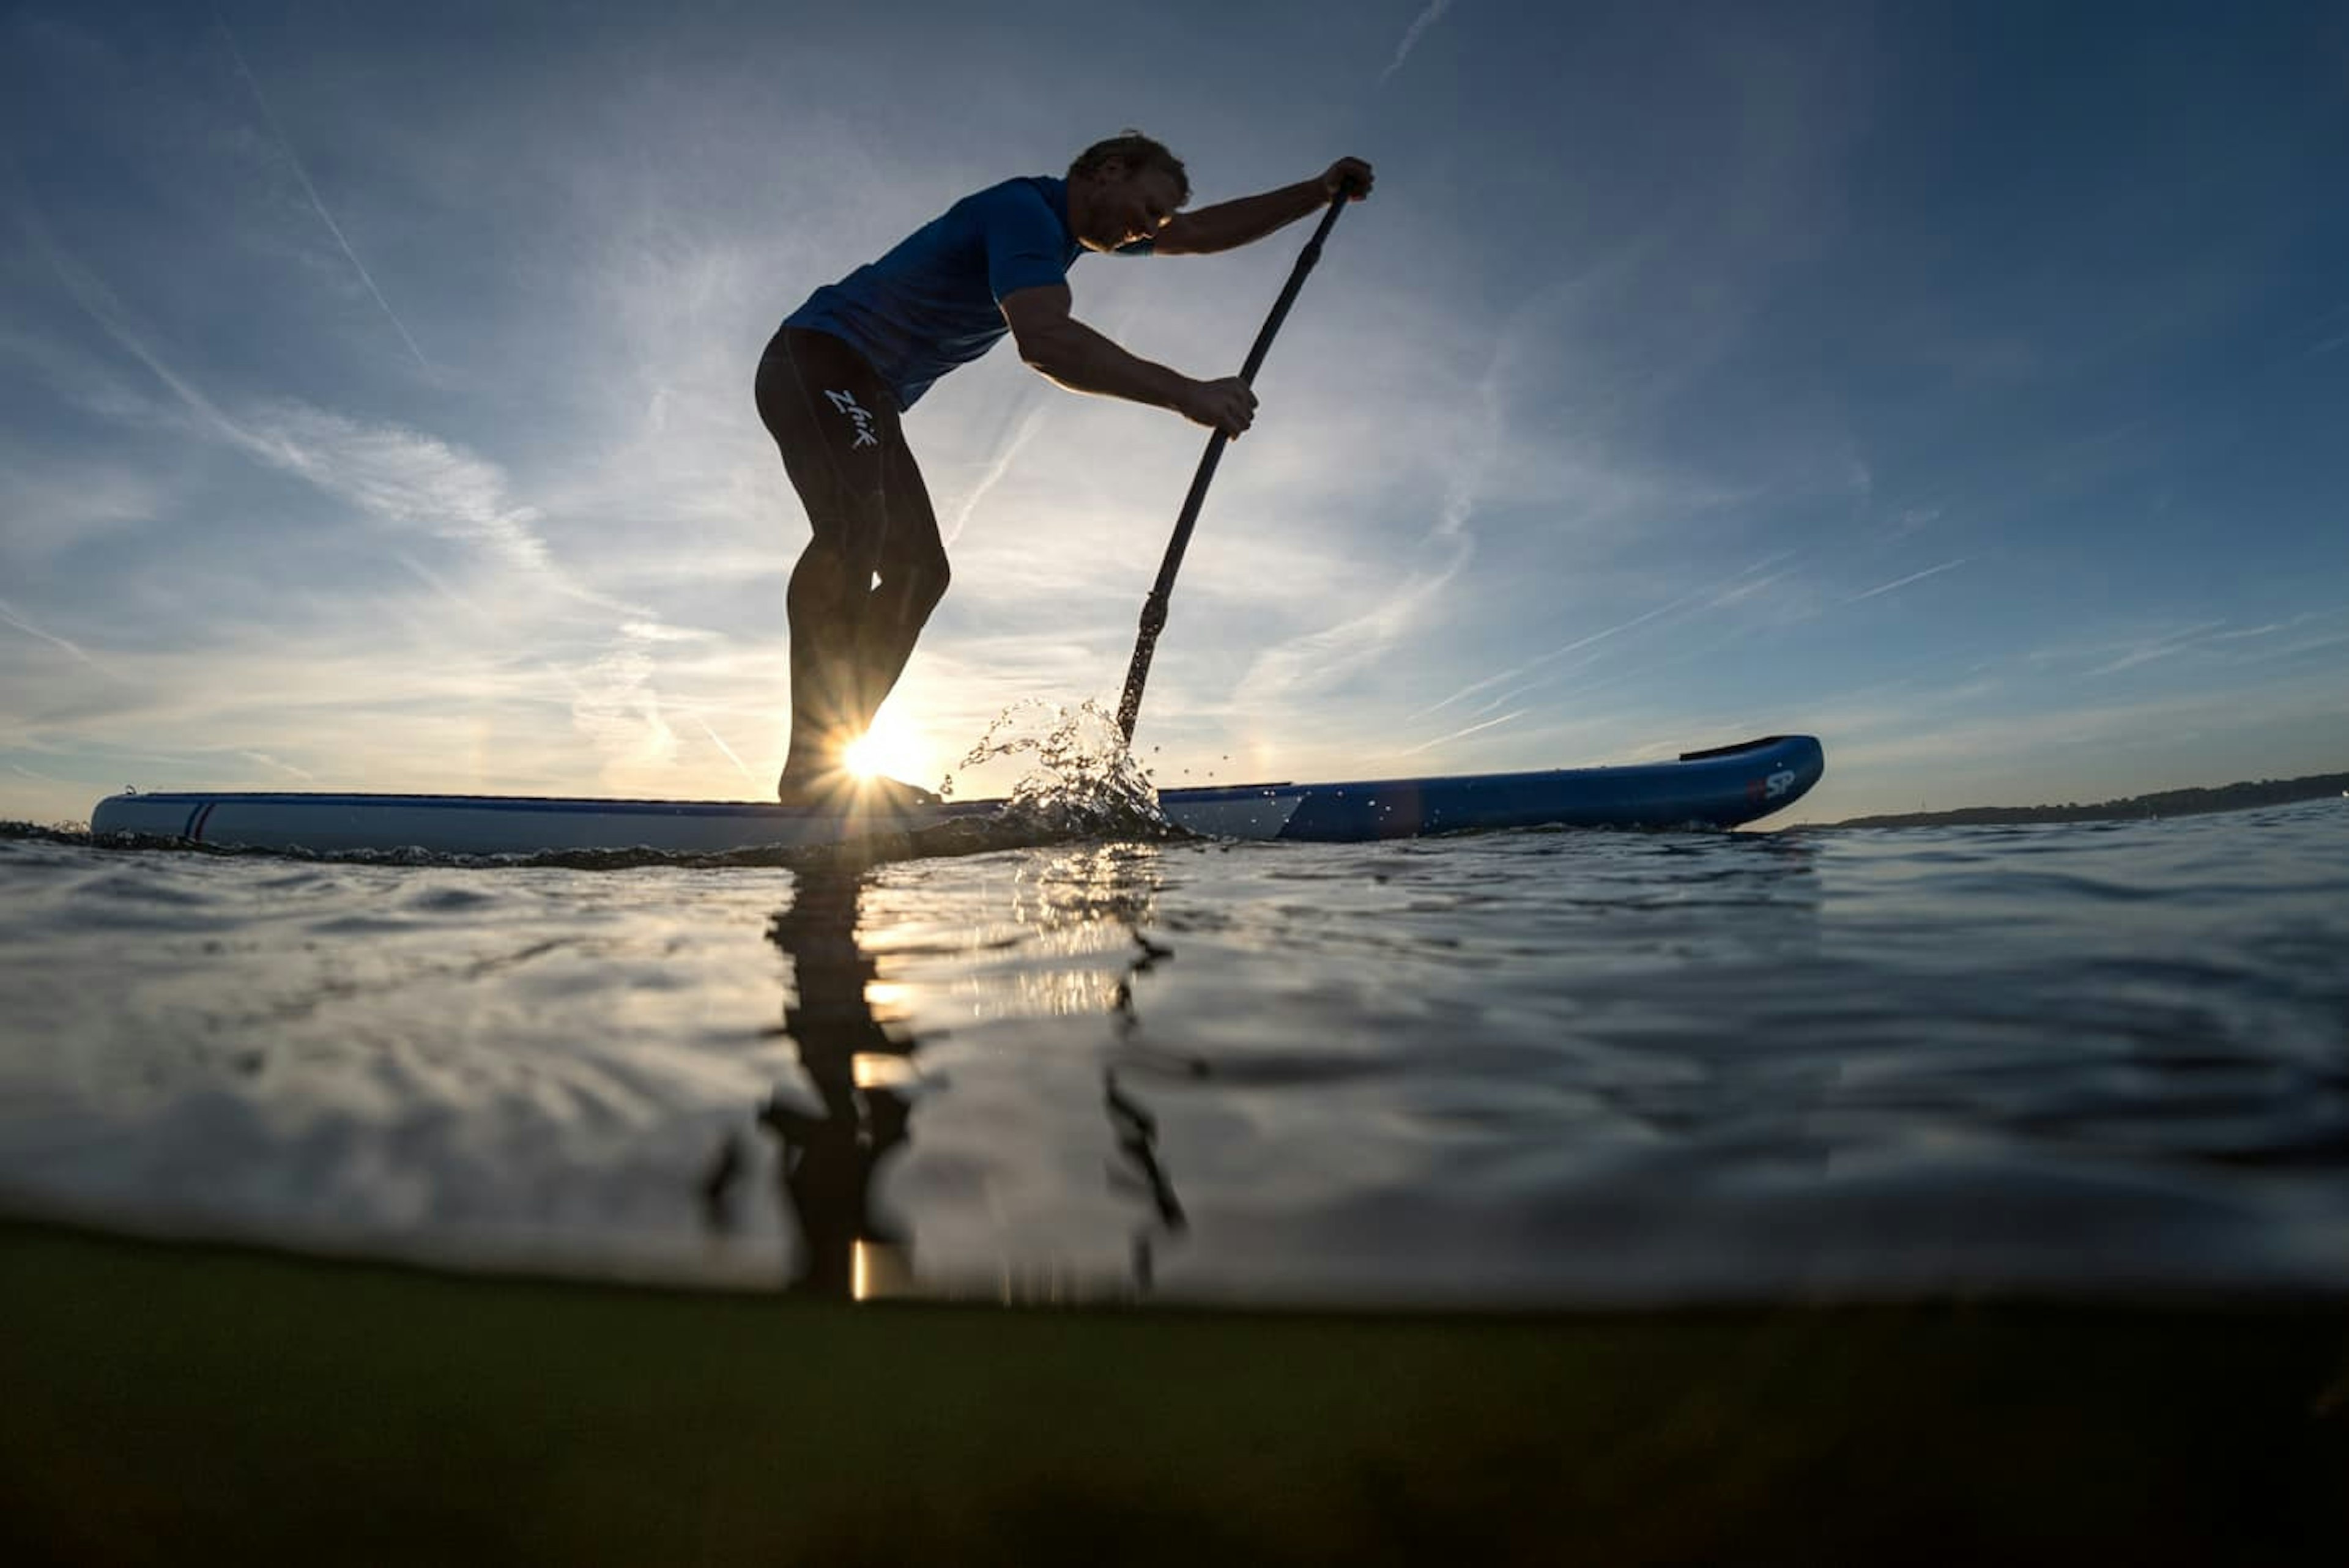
(836, 424)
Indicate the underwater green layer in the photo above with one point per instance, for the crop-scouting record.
(170, 1403)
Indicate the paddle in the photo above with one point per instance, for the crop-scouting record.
(1153, 609)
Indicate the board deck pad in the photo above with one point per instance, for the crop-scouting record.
(1721, 787)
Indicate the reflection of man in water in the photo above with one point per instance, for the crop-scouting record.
(828, 1160)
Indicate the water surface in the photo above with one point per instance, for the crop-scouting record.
(1556, 1068)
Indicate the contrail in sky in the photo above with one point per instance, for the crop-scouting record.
(1912, 577)
(311, 190)
(1600, 636)
(997, 467)
(1457, 734)
(9, 617)
(268, 761)
(720, 741)
(1427, 18)
(402, 475)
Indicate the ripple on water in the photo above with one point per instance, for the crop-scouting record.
(1512, 1067)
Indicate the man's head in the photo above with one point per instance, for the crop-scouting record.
(1124, 189)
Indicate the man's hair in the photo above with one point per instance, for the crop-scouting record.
(1140, 152)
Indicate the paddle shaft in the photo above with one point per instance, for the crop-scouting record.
(1153, 609)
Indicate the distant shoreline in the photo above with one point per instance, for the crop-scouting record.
(2165, 803)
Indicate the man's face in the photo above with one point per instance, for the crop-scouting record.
(1128, 206)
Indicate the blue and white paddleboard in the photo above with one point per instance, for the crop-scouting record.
(1721, 789)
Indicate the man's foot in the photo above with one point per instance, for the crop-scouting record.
(841, 791)
(807, 788)
(875, 793)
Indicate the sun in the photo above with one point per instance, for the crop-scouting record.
(863, 756)
(887, 749)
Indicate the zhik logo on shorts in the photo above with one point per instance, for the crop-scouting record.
(857, 416)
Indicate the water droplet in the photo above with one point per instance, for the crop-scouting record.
(1085, 778)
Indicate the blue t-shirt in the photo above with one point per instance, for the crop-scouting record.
(934, 302)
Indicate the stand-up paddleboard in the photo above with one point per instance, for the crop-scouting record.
(1721, 788)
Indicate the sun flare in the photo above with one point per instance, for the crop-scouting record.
(885, 750)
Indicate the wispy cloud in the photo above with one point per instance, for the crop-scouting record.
(387, 470)
(443, 587)
(1912, 577)
(1463, 734)
(618, 707)
(1476, 687)
(275, 766)
(2213, 644)
(999, 463)
(719, 741)
(301, 173)
(1737, 594)
(98, 302)
(1323, 658)
(8, 616)
(55, 499)
(2334, 339)
(1326, 657)
(2157, 648)
(1924, 734)
(1420, 23)
(408, 477)
(1713, 595)
(418, 482)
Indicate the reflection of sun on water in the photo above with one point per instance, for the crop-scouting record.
(1070, 945)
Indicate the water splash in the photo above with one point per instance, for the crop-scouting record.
(1084, 781)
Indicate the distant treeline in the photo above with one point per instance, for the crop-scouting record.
(2168, 803)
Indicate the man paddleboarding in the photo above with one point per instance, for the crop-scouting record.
(844, 368)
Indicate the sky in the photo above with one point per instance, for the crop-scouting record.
(1960, 384)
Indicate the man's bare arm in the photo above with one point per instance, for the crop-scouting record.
(1229, 224)
(1061, 348)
